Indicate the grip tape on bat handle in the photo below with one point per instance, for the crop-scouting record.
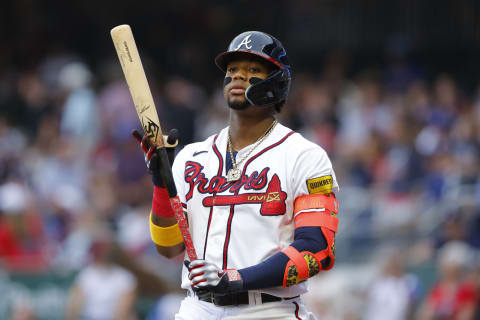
(183, 225)
(166, 173)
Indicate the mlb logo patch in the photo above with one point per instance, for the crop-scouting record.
(320, 185)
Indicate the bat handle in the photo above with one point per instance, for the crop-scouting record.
(183, 225)
(166, 172)
(175, 203)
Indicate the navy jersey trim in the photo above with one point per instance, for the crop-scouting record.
(266, 149)
(232, 207)
(297, 309)
(220, 169)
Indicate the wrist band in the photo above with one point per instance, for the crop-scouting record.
(161, 203)
(165, 237)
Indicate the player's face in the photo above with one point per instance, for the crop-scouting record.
(241, 71)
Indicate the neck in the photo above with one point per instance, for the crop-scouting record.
(246, 128)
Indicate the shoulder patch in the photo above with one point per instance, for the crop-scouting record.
(320, 185)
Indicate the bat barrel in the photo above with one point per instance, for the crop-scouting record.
(132, 67)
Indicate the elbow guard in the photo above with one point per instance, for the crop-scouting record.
(313, 210)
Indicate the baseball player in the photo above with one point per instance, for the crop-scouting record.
(259, 198)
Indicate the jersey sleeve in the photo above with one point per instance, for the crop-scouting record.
(313, 173)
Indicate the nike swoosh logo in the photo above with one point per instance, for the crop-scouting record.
(196, 153)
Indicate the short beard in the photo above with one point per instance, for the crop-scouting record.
(238, 105)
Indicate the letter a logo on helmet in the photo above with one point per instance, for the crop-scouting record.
(245, 42)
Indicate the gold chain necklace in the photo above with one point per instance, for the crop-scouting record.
(235, 173)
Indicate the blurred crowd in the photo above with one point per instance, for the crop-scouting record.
(75, 195)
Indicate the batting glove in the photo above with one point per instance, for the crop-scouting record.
(152, 160)
(206, 276)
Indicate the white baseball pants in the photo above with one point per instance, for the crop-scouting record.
(193, 309)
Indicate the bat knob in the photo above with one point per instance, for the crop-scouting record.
(172, 136)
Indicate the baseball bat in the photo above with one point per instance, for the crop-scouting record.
(132, 67)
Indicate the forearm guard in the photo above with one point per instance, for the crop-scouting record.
(313, 210)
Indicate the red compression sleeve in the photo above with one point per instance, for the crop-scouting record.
(161, 203)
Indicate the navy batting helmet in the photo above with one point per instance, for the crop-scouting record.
(275, 88)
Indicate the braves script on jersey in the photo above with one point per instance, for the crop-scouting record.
(240, 224)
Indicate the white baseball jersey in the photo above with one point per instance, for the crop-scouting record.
(240, 224)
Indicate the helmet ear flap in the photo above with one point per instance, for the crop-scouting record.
(274, 89)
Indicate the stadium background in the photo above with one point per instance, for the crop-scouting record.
(389, 88)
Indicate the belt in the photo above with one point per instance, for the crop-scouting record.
(235, 299)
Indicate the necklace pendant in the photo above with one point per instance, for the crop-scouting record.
(233, 174)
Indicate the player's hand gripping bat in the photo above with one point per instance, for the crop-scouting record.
(132, 67)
